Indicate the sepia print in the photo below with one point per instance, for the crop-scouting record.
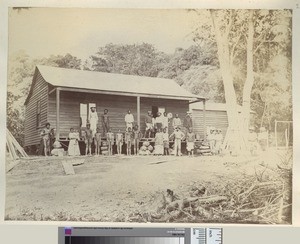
(127, 115)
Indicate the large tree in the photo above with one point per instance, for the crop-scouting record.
(243, 38)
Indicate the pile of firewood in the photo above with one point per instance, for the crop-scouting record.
(263, 198)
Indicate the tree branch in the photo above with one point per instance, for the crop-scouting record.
(233, 49)
(262, 42)
(228, 28)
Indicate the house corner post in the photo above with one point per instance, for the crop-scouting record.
(138, 108)
(57, 114)
(204, 118)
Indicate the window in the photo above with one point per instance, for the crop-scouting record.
(38, 114)
(85, 109)
(156, 109)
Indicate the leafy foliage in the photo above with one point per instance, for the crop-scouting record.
(20, 73)
(136, 59)
(196, 68)
(271, 92)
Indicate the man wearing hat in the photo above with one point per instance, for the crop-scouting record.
(93, 120)
(178, 137)
(187, 122)
(165, 120)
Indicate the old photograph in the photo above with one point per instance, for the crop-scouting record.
(149, 115)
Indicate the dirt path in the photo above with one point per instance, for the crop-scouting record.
(106, 188)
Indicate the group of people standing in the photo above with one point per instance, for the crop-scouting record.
(215, 139)
(93, 135)
(162, 121)
(157, 128)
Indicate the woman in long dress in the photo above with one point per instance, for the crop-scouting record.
(93, 120)
(73, 148)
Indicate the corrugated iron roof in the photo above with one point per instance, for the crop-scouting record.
(111, 82)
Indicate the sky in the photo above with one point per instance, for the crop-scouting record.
(41, 32)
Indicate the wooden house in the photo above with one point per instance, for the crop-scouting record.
(63, 98)
(214, 114)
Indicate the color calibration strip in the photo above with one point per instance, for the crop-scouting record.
(123, 240)
(206, 236)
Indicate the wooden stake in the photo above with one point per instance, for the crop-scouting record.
(276, 133)
(15, 144)
(68, 167)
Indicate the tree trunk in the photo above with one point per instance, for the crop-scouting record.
(233, 138)
(249, 79)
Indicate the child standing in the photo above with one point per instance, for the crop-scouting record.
(73, 148)
(166, 141)
(136, 139)
(178, 137)
(128, 140)
(97, 142)
(46, 139)
(190, 142)
(211, 140)
(218, 139)
(88, 139)
(119, 141)
(110, 140)
(159, 143)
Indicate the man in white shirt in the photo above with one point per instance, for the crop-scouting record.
(129, 119)
(158, 121)
(178, 137)
(165, 120)
(93, 120)
(176, 122)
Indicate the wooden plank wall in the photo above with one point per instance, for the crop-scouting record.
(218, 119)
(70, 109)
(117, 106)
(39, 93)
(69, 112)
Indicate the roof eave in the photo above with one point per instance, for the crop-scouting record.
(131, 94)
(31, 87)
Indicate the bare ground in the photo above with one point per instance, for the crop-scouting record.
(113, 188)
